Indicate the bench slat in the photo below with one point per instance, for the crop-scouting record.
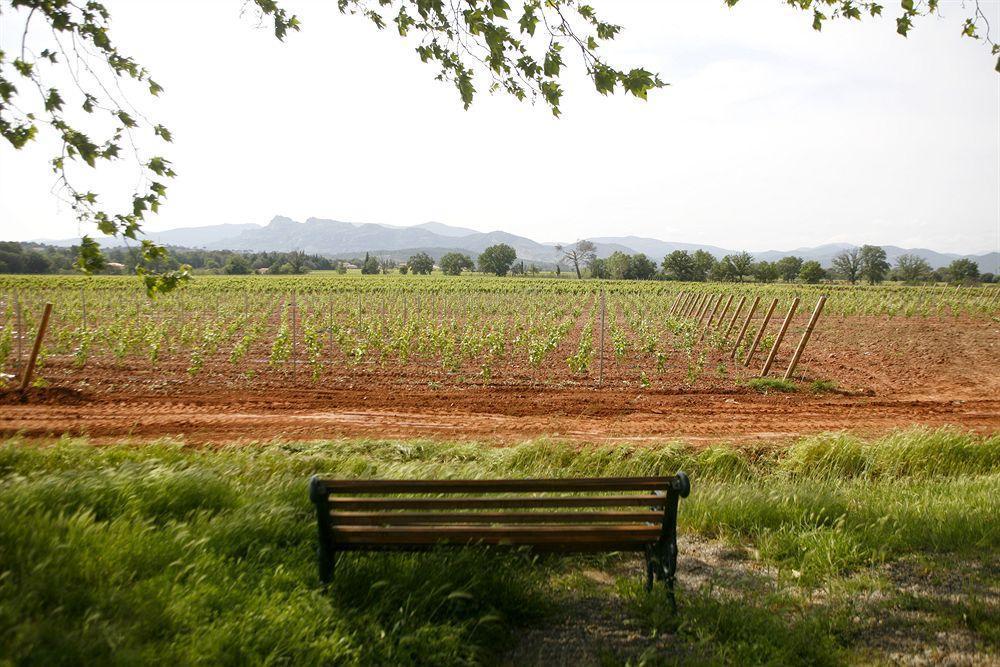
(512, 535)
(411, 518)
(346, 504)
(497, 485)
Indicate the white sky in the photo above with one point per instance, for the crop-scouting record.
(771, 135)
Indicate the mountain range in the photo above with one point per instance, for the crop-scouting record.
(337, 239)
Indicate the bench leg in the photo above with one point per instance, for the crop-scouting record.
(671, 571)
(650, 568)
(327, 560)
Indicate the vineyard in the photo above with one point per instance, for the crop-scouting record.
(462, 331)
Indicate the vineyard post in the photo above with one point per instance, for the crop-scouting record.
(746, 325)
(20, 327)
(805, 337)
(697, 305)
(329, 328)
(760, 334)
(708, 325)
(83, 308)
(700, 306)
(679, 311)
(692, 304)
(732, 322)
(600, 353)
(704, 311)
(781, 336)
(715, 311)
(294, 330)
(725, 309)
(30, 368)
(677, 300)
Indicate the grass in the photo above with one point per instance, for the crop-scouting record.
(766, 385)
(167, 554)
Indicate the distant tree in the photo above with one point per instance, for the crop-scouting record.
(237, 266)
(598, 268)
(581, 253)
(558, 271)
(341, 267)
(640, 267)
(811, 272)
(617, 265)
(370, 266)
(848, 265)
(534, 269)
(680, 265)
(765, 272)
(988, 278)
(403, 269)
(912, 269)
(874, 266)
(421, 264)
(35, 262)
(704, 262)
(497, 259)
(742, 265)
(723, 270)
(789, 267)
(963, 271)
(453, 263)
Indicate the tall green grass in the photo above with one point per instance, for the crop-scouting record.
(163, 553)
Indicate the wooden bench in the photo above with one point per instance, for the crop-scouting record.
(545, 515)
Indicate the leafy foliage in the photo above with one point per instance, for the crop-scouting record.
(453, 263)
(497, 259)
(421, 264)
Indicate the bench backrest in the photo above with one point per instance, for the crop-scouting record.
(569, 515)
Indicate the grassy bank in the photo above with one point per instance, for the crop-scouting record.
(162, 553)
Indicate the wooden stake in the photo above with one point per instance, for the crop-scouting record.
(294, 346)
(676, 301)
(725, 309)
(329, 328)
(694, 304)
(708, 325)
(739, 309)
(684, 304)
(30, 369)
(83, 308)
(781, 335)
(708, 307)
(805, 337)
(18, 325)
(746, 324)
(760, 334)
(600, 353)
(702, 306)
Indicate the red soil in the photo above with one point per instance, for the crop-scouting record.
(890, 373)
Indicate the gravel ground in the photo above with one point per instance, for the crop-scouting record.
(914, 612)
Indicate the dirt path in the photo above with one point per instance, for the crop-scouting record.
(499, 416)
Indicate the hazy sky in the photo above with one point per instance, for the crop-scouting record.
(771, 135)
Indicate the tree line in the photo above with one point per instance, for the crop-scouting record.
(867, 264)
(39, 258)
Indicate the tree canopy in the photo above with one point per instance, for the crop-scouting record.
(497, 259)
